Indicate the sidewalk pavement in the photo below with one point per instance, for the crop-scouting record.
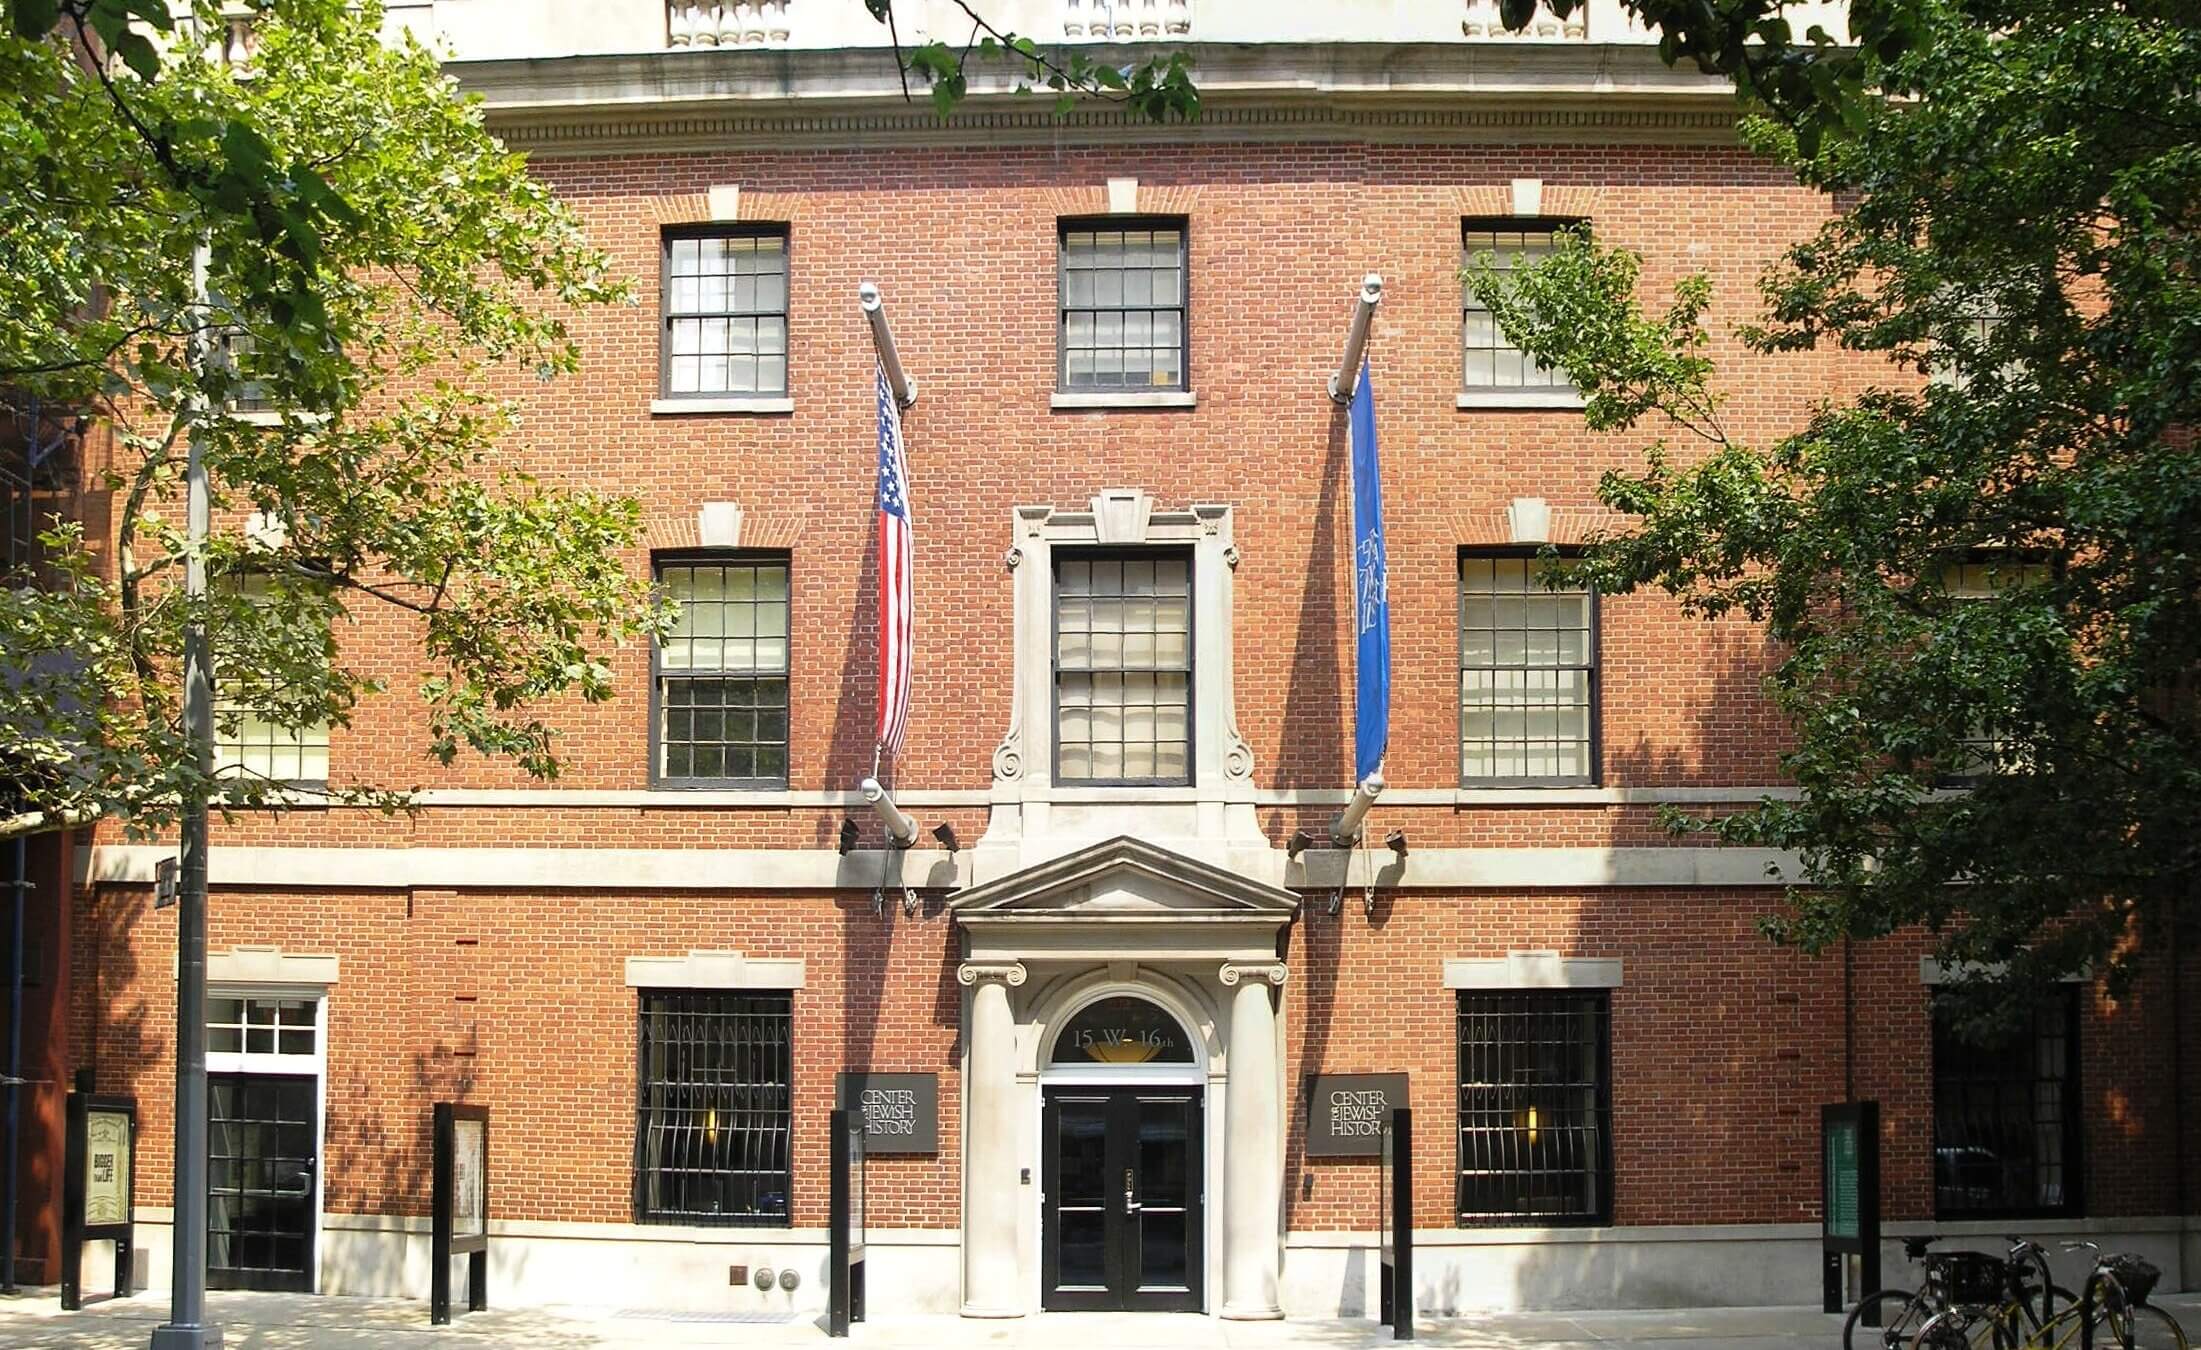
(311, 1322)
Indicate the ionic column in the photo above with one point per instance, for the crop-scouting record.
(992, 1286)
(1253, 1145)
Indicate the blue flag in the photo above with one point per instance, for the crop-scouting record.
(1371, 592)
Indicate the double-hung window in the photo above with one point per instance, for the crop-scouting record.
(1123, 667)
(1528, 676)
(715, 1108)
(1985, 748)
(1123, 305)
(2006, 1116)
(1535, 1107)
(1494, 369)
(725, 313)
(721, 686)
(251, 740)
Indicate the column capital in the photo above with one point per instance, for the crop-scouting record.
(1257, 971)
(1011, 973)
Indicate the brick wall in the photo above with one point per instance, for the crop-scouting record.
(1722, 1047)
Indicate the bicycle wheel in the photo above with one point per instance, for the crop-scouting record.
(2143, 1328)
(1898, 1314)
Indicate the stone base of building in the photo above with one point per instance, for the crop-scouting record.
(918, 1271)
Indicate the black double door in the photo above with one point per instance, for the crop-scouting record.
(263, 1142)
(1121, 1210)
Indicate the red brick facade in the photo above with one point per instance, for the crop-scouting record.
(1722, 1046)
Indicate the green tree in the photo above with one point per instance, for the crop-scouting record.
(371, 257)
(2014, 765)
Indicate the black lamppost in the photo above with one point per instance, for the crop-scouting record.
(187, 1327)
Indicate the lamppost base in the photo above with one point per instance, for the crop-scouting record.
(169, 1336)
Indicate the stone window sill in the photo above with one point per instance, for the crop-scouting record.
(270, 417)
(661, 407)
(1125, 399)
(1518, 398)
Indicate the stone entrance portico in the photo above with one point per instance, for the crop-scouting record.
(1123, 917)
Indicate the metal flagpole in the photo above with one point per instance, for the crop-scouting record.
(186, 1327)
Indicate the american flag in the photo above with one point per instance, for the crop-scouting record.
(897, 547)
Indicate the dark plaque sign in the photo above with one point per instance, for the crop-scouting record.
(1346, 1113)
(901, 1111)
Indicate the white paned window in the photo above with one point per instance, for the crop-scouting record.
(1528, 676)
(725, 314)
(1123, 668)
(722, 673)
(1491, 362)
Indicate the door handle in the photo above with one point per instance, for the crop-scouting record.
(1130, 1202)
(304, 1178)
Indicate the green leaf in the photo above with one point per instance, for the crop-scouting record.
(33, 18)
(138, 53)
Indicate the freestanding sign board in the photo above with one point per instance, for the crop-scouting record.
(900, 1111)
(1395, 1219)
(1347, 1113)
(1849, 1196)
(99, 1158)
(844, 1213)
(460, 1224)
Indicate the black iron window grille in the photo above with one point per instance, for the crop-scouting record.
(725, 313)
(1535, 1108)
(2006, 1117)
(722, 674)
(1123, 306)
(1491, 364)
(1123, 668)
(1528, 677)
(712, 1130)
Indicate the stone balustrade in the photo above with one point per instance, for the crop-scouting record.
(725, 23)
(1482, 21)
(1126, 20)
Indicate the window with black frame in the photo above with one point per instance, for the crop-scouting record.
(725, 313)
(1123, 305)
(1123, 667)
(715, 1108)
(722, 673)
(2006, 1116)
(1528, 676)
(1985, 749)
(1535, 1107)
(1491, 364)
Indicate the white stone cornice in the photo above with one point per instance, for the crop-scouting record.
(1011, 973)
(1388, 92)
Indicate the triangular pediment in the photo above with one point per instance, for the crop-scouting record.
(1127, 878)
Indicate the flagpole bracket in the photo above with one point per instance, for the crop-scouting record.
(873, 305)
(1356, 339)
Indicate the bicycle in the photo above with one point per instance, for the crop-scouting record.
(2112, 1314)
(1890, 1319)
